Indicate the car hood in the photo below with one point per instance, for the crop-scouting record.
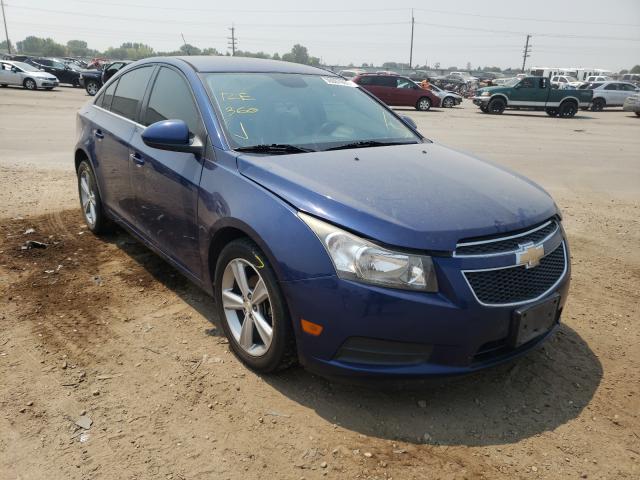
(422, 196)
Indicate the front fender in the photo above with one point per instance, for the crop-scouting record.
(228, 199)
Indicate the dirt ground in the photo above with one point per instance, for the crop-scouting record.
(101, 332)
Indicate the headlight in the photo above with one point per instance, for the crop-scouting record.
(355, 258)
(485, 94)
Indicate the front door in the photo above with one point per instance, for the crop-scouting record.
(529, 92)
(8, 76)
(406, 93)
(166, 183)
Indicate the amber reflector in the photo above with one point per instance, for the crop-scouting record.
(311, 328)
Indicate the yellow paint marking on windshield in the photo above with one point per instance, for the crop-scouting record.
(244, 135)
(242, 96)
(240, 110)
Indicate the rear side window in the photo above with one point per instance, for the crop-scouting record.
(105, 98)
(171, 99)
(130, 90)
(365, 81)
(385, 81)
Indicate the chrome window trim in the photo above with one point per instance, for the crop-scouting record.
(511, 304)
(117, 115)
(497, 240)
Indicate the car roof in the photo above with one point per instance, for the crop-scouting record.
(210, 64)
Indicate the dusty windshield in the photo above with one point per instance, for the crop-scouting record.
(26, 67)
(310, 111)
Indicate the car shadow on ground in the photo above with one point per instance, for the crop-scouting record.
(537, 393)
(538, 114)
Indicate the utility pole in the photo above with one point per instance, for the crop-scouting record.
(411, 48)
(185, 44)
(232, 40)
(527, 51)
(6, 32)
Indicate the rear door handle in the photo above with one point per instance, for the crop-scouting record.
(99, 134)
(137, 159)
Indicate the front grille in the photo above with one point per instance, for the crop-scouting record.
(502, 244)
(518, 284)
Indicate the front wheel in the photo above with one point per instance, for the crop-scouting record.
(448, 102)
(30, 84)
(497, 106)
(484, 108)
(90, 201)
(424, 104)
(598, 105)
(552, 112)
(252, 309)
(4, 85)
(92, 87)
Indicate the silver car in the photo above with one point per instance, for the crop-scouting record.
(632, 104)
(28, 76)
(447, 99)
(610, 94)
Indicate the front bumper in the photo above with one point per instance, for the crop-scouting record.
(631, 107)
(43, 83)
(445, 333)
(480, 100)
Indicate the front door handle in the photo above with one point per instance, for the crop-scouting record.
(137, 159)
(99, 134)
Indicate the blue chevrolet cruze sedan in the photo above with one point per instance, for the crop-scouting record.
(329, 231)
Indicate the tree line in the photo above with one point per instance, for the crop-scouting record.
(47, 47)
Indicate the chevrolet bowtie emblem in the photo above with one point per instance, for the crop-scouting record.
(529, 255)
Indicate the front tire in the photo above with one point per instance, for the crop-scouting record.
(252, 309)
(552, 112)
(638, 114)
(423, 104)
(598, 105)
(497, 106)
(92, 87)
(30, 84)
(484, 108)
(90, 201)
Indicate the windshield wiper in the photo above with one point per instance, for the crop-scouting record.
(274, 148)
(367, 143)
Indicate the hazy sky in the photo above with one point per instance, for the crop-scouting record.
(588, 33)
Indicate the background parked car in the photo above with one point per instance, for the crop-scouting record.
(93, 79)
(18, 73)
(110, 69)
(448, 99)
(564, 81)
(398, 91)
(609, 94)
(64, 73)
(632, 104)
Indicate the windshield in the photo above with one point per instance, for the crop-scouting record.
(572, 79)
(511, 82)
(26, 67)
(309, 111)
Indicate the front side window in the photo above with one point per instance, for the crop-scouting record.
(611, 86)
(129, 93)
(310, 111)
(405, 83)
(526, 83)
(171, 99)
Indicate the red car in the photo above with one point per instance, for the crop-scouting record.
(398, 91)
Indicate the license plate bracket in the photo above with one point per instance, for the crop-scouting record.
(534, 320)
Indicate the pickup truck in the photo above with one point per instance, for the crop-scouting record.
(533, 93)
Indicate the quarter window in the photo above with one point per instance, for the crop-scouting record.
(129, 93)
(105, 98)
(171, 99)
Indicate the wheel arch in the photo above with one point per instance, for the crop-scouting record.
(499, 95)
(570, 99)
(24, 82)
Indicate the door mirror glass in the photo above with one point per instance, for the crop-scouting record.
(172, 135)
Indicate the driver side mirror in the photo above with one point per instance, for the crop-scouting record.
(172, 135)
(409, 122)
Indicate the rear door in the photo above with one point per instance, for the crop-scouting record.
(115, 122)
(611, 94)
(166, 183)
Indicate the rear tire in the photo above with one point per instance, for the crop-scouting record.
(92, 87)
(4, 85)
(568, 109)
(598, 105)
(30, 84)
(423, 104)
(638, 114)
(268, 344)
(497, 106)
(90, 201)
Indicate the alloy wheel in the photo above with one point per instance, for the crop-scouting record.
(88, 198)
(92, 88)
(30, 84)
(247, 307)
(448, 102)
